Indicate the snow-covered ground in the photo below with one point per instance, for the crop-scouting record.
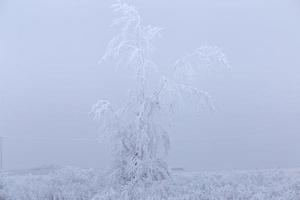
(69, 183)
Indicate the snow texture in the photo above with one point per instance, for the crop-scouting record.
(70, 183)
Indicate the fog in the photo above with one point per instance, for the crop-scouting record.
(50, 78)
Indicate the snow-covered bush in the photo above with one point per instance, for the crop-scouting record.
(85, 184)
(61, 184)
(139, 129)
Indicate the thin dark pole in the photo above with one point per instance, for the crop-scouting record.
(1, 154)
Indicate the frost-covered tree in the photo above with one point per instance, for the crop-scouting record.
(139, 128)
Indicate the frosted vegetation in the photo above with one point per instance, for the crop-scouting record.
(139, 133)
(139, 129)
(86, 184)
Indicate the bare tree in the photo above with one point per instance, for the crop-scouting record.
(139, 129)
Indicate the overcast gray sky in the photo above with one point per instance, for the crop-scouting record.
(49, 79)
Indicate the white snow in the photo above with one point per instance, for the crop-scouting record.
(69, 183)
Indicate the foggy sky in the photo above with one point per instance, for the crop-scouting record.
(49, 79)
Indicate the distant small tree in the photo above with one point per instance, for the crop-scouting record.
(139, 128)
